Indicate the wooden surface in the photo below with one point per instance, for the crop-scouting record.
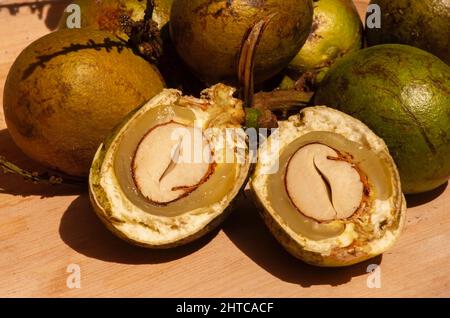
(45, 229)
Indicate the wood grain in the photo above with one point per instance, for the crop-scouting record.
(45, 229)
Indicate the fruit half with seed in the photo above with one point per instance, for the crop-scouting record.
(169, 172)
(328, 189)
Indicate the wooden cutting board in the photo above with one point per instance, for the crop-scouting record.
(49, 233)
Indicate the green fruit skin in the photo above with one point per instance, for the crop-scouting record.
(208, 35)
(337, 30)
(403, 94)
(421, 23)
(105, 14)
(59, 110)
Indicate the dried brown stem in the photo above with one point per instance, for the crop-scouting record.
(35, 177)
(246, 60)
(281, 100)
(144, 36)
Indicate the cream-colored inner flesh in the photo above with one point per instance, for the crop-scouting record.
(214, 189)
(321, 185)
(365, 159)
(169, 164)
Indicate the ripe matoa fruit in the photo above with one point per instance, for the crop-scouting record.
(67, 90)
(208, 35)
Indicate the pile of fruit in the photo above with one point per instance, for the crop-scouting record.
(357, 125)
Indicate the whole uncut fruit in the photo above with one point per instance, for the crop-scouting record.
(403, 94)
(208, 35)
(421, 23)
(336, 31)
(67, 90)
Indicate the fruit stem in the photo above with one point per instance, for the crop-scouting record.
(149, 8)
(281, 100)
(35, 177)
(246, 60)
(264, 102)
(144, 35)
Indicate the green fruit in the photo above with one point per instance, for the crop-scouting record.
(337, 30)
(424, 24)
(107, 14)
(67, 90)
(208, 35)
(403, 94)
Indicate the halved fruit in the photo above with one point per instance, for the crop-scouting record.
(328, 189)
(168, 174)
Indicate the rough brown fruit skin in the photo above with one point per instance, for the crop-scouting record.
(60, 101)
(421, 23)
(403, 94)
(208, 35)
(106, 14)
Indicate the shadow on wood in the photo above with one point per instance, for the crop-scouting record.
(52, 15)
(15, 185)
(81, 230)
(247, 231)
(414, 200)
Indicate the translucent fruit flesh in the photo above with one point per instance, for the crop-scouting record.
(205, 190)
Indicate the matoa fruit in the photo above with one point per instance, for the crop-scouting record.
(424, 24)
(208, 35)
(67, 90)
(403, 94)
(168, 173)
(336, 31)
(107, 15)
(328, 189)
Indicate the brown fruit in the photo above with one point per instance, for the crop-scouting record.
(208, 35)
(67, 90)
